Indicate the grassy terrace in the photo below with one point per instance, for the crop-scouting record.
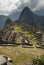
(19, 29)
(26, 33)
(43, 37)
(19, 55)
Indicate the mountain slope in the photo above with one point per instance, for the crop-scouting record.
(28, 17)
(8, 23)
(2, 21)
(24, 17)
(15, 16)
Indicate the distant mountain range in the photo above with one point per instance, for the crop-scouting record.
(13, 17)
(2, 21)
(26, 17)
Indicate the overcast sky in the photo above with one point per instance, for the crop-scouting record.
(9, 6)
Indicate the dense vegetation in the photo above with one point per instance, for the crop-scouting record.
(39, 60)
(21, 30)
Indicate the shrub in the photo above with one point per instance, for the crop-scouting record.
(38, 61)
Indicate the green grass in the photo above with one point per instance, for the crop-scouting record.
(19, 55)
(18, 40)
(39, 60)
(43, 37)
(22, 58)
(26, 33)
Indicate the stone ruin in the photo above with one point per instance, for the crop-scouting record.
(38, 36)
(11, 37)
(5, 60)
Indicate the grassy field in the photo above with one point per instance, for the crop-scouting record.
(43, 37)
(26, 33)
(19, 55)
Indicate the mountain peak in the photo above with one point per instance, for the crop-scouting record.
(27, 9)
(25, 13)
(8, 21)
(26, 16)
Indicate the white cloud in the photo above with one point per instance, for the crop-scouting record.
(40, 5)
(7, 6)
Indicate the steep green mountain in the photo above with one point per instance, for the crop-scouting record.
(27, 17)
(8, 23)
(24, 16)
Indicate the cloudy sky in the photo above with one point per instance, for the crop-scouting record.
(9, 6)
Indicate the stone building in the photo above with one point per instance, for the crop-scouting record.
(38, 36)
